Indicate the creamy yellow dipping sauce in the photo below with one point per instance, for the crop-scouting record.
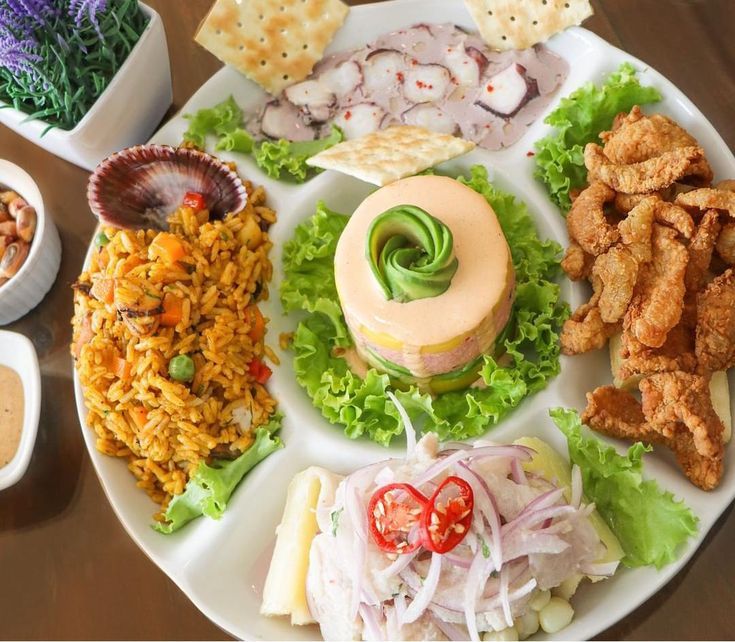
(11, 413)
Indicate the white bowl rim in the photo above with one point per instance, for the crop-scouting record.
(153, 17)
(34, 198)
(30, 376)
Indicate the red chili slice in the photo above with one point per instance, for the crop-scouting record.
(393, 512)
(195, 201)
(448, 515)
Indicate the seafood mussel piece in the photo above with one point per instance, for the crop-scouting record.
(140, 187)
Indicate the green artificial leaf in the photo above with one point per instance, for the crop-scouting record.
(649, 522)
(578, 120)
(285, 159)
(211, 486)
(360, 405)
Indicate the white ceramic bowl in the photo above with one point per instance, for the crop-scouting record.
(126, 113)
(18, 353)
(26, 289)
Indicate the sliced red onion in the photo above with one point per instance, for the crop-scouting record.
(458, 560)
(485, 501)
(472, 590)
(542, 501)
(603, 569)
(460, 455)
(452, 631)
(576, 486)
(529, 520)
(519, 476)
(400, 606)
(396, 567)
(426, 83)
(423, 596)
(504, 600)
(522, 544)
(373, 629)
(407, 425)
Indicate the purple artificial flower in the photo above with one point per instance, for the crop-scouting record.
(24, 14)
(89, 9)
(17, 55)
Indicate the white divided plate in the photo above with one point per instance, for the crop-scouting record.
(221, 565)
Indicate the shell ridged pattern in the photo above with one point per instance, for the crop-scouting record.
(139, 187)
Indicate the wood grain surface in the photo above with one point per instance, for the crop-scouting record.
(68, 570)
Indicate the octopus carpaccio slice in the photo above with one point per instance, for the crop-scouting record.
(435, 75)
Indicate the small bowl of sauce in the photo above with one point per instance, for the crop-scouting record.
(20, 405)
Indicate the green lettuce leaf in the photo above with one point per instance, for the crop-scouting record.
(360, 405)
(222, 119)
(649, 522)
(210, 488)
(282, 159)
(578, 120)
(285, 159)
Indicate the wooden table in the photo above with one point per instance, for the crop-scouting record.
(67, 568)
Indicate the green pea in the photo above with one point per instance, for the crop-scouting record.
(181, 368)
(101, 240)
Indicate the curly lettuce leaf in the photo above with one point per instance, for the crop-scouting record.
(530, 340)
(221, 120)
(649, 522)
(286, 159)
(578, 120)
(282, 159)
(211, 487)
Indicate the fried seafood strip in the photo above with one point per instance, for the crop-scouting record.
(659, 294)
(585, 330)
(700, 251)
(614, 276)
(715, 334)
(637, 228)
(577, 264)
(586, 221)
(726, 243)
(704, 472)
(640, 138)
(677, 353)
(616, 413)
(708, 198)
(675, 217)
(646, 176)
(672, 397)
(728, 184)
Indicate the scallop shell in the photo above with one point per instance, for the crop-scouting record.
(140, 187)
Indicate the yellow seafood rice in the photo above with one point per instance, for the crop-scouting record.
(147, 298)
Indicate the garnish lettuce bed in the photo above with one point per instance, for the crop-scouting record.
(531, 340)
(210, 487)
(649, 522)
(281, 159)
(578, 120)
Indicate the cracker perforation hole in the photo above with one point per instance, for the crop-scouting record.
(263, 63)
